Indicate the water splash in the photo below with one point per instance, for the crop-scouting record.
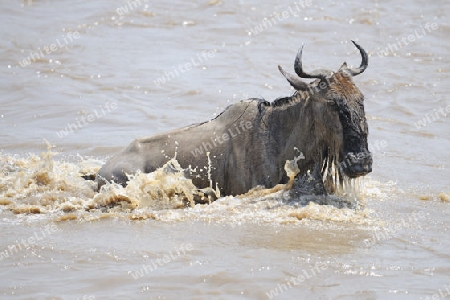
(53, 188)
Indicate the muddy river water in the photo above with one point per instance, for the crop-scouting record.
(80, 80)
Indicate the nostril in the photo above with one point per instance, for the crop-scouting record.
(357, 165)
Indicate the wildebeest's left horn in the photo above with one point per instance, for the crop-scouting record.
(364, 61)
(320, 73)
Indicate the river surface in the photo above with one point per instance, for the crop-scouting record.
(80, 80)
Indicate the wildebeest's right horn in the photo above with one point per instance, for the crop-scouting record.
(364, 61)
(320, 73)
(294, 81)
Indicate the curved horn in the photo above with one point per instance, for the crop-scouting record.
(364, 61)
(295, 82)
(320, 73)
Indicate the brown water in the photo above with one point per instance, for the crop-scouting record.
(89, 77)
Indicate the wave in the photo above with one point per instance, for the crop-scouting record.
(55, 188)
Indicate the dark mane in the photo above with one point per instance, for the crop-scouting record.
(278, 102)
(282, 101)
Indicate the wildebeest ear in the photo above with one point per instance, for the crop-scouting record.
(294, 81)
(344, 66)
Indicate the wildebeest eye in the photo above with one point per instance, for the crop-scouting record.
(338, 100)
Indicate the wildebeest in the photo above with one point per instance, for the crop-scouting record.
(248, 144)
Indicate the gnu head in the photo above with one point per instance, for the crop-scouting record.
(338, 89)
